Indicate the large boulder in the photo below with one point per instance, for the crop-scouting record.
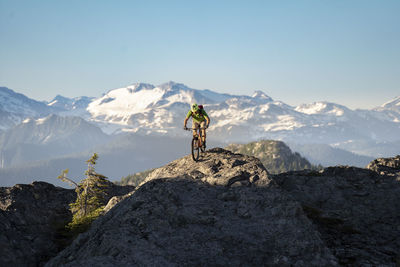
(356, 211)
(223, 210)
(386, 166)
(217, 167)
(32, 218)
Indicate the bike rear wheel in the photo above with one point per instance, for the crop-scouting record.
(195, 149)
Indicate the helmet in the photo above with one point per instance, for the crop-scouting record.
(194, 107)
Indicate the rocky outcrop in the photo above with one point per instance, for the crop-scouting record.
(224, 210)
(275, 155)
(217, 167)
(117, 191)
(356, 211)
(31, 221)
(386, 166)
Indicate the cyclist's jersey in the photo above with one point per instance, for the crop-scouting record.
(197, 117)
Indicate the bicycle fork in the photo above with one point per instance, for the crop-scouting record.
(199, 141)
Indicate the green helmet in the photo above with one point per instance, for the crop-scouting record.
(195, 107)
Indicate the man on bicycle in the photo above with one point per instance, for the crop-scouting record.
(200, 119)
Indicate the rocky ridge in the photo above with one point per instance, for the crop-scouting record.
(217, 167)
(356, 211)
(32, 221)
(227, 209)
(223, 210)
(386, 166)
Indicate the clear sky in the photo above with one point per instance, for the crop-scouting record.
(343, 51)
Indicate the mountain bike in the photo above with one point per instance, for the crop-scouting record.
(197, 144)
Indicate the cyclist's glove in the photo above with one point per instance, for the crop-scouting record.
(185, 128)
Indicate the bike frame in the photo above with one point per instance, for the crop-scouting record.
(196, 150)
(198, 133)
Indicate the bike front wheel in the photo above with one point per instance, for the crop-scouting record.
(195, 149)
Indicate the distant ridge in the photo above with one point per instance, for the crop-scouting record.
(276, 156)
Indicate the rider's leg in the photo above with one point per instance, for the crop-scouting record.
(195, 126)
(203, 131)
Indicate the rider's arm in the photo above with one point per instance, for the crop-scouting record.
(207, 120)
(206, 117)
(187, 118)
(185, 122)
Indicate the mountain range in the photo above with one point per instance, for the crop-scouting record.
(149, 109)
(34, 132)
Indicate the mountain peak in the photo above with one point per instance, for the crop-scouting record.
(394, 103)
(206, 169)
(60, 97)
(60, 101)
(172, 85)
(136, 87)
(68, 104)
(261, 95)
(19, 107)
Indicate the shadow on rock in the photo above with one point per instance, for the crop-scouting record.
(357, 211)
(181, 221)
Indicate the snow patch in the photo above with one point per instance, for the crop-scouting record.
(40, 121)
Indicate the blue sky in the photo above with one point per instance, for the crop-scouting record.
(343, 51)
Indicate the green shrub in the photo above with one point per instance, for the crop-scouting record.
(82, 224)
(91, 195)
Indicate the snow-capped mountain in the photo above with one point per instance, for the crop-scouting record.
(153, 110)
(390, 109)
(121, 105)
(160, 109)
(325, 108)
(149, 109)
(76, 106)
(69, 104)
(15, 107)
(393, 104)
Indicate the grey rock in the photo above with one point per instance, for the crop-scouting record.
(217, 167)
(386, 166)
(31, 219)
(115, 200)
(356, 211)
(214, 212)
(117, 191)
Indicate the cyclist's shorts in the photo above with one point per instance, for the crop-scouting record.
(196, 125)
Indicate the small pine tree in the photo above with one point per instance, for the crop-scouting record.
(91, 195)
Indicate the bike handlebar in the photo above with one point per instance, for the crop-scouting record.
(190, 129)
